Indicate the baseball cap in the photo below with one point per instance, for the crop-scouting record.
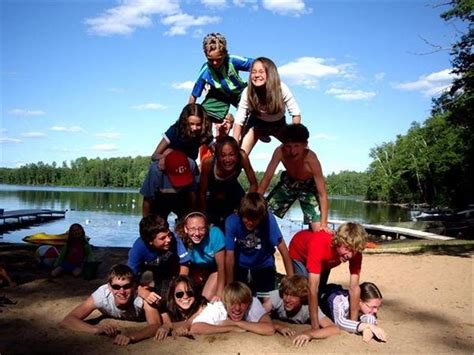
(178, 169)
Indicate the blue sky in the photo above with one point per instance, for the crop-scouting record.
(107, 78)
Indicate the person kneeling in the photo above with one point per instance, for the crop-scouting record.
(239, 312)
(117, 299)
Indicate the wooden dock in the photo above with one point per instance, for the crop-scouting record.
(397, 231)
(17, 219)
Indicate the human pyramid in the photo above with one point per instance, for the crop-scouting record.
(216, 271)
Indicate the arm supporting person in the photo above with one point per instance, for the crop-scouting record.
(313, 299)
(283, 249)
(354, 296)
(321, 191)
(229, 266)
(253, 183)
(267, 177)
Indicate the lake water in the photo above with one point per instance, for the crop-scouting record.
(110, 216)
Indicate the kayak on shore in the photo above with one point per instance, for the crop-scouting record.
(49, 239)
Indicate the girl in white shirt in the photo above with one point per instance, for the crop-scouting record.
(264, 102)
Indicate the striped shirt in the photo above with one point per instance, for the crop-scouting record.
(225, 79)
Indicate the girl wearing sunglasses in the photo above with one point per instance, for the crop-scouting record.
(184, 303)
(206, 248)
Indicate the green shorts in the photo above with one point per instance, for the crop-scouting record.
(288, 190)
(217, 105)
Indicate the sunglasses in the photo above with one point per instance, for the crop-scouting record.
(119, 287)
(180, 294)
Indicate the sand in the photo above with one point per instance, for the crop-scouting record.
(427, 308)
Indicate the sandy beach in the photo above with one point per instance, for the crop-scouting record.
(427, 308)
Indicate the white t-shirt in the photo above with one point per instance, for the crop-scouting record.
(215, 313)
(288, 100)
(278, 311)
(105, 303)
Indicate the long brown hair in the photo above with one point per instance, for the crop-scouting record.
(270, 97)
(183, 125)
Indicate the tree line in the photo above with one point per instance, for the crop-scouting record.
(431, 163)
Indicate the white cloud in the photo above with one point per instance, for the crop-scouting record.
(429, 85)
(104, 147)
(109, 135)
(72, 129)
(23, 112)
(350, 95)
(131, 14)
(149, 106)
(33, 134)
(6, 140)
(186, 85)
(286, 7)
(214, 3)
(306, 71)
(379, 76)
(242, 3)
(179, 23)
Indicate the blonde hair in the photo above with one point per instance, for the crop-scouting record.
(236, 292)
(352, 235)
(214, 41)
(271, 98)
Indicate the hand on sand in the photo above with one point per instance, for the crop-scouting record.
(162, 333)
(122, 340)
(287, 332)
(180, 332)
(301, 340)
(107, 329)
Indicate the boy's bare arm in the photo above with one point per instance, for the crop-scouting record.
(75, 319)
(205, 169)
(263, 327)
(205, 328)
(285, 255)
(267, 177)
(253, 183)
(229, 266)
(354, 296)
(313, 299)
(318, 177)
(191, 99)
(154, 321)
(160, 148)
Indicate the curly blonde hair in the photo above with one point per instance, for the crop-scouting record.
(352, 235)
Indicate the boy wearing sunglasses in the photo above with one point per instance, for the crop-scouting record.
(116, 299)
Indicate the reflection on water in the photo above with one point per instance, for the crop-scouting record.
(111, 217)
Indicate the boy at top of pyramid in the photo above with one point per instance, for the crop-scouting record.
(220, 77)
